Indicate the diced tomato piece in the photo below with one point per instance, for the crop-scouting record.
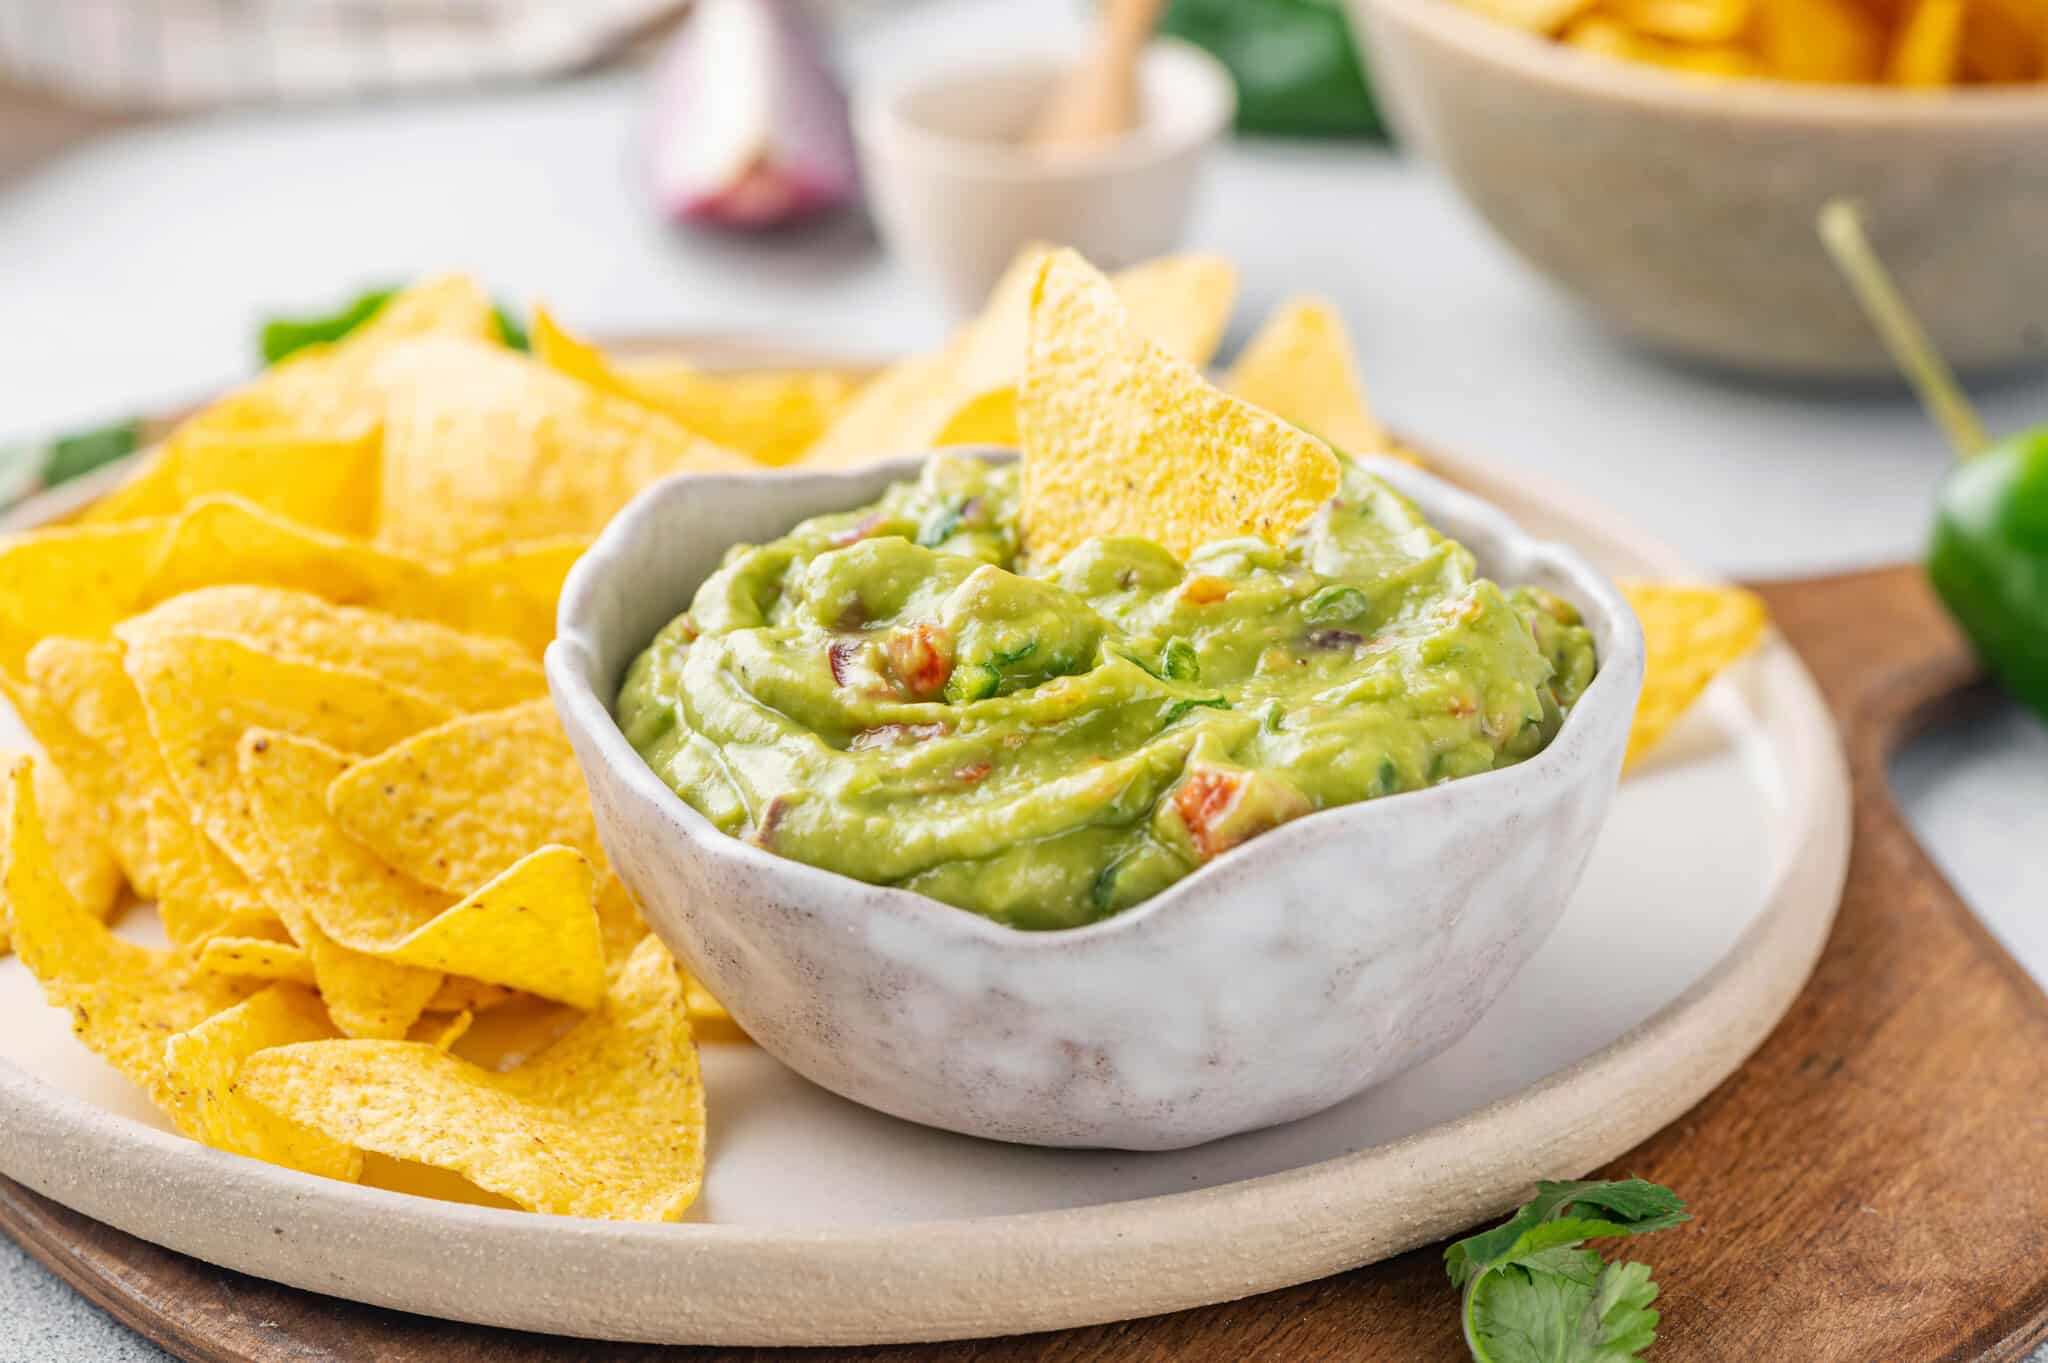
(920, 659)
(1203, 799)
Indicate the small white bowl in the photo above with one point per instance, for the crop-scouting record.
(956, 196)
(1318, 959)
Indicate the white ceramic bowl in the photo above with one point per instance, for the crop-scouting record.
(956, 198)
(1316, 960)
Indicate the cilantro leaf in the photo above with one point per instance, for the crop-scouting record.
(1595, 1313)
(1534, 1295)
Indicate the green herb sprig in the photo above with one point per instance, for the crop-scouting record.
(1534, 1294)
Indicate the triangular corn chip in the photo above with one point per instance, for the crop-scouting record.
(199, 892)
(532, 928)
(124, 999)
(1121, 438)
(202, 693)
(1690, 633)
(483, 446)
(1299, 368)
(257, 958)
(101, 785)
(461, 670)
(74, 580)
(607, 1122)
(769, 416)
(456, 805)
(966, 392)
(201, 1065)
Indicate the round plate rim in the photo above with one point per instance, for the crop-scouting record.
(753, 1286)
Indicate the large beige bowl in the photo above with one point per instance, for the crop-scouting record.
(1680, 210)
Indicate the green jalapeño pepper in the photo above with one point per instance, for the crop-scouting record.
(1294, 63)
(1988, 559)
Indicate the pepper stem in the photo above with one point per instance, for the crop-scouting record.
(1841, 230)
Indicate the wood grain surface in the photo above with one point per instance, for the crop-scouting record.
(1871, 1185)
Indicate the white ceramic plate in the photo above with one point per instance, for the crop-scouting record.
(1706, 901)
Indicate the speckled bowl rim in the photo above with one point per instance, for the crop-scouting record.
(1519, 55)
(577, 672)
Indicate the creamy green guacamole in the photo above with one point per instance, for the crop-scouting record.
(891, 693)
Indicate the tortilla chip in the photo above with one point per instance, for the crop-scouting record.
(1691, 634)
(150, 491)
(463, 671)
(455, 806)
(325, 484)
(257, 958)
(202, 1064)
(100, 790)
(618, 920)
(607, 1122)
(74, 580)
(1684, 21)
(124, 999)
(534, 928)
(224, 540)
(512, 591)
(1927, 52)
(201, 693)
(71, 827)
(1299, 368)
(1835, 41)
(966, 393)
(457, 995)
(199, 892)
(1121, 438)
(439, 305)
(768, 416)
(483, 446)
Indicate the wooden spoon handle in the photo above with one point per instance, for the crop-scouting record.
(1098, 99)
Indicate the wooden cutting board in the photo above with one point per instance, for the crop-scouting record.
(1871, 1185)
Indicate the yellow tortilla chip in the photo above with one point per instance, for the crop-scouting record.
(202, 692)
(100, 785)
(765, 415)
(202, 1064)
(1684, 21)
(483, 446)
(1928, 50)
(966, 393)
(457, 995)
(607, 1122)
(511, 592)
(455, 806)
(224, 540)
(124, 999)
(149, 491)
(442, 1033)
(1691, 633)
(1299, 368)
(325, 484)
(461, 670)
(1121, 438)
(1836, 41)
(439, 305)
(533, 928)
(199, 892)
(74, 580)
(71, 827)
(257, 958)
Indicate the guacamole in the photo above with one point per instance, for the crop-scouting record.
(893, 693)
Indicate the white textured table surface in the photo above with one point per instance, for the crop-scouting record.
(135, 270)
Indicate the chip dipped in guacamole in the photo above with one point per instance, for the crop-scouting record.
(893, 693)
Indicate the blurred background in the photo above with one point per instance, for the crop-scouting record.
(1585, 251)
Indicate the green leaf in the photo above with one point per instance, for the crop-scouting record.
(1632, 1206)
(31, 466)
(283, 336)
(510, 329)
(1178, 661)
(1533, 1294)
(1592, 1312)
(1181, 707)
